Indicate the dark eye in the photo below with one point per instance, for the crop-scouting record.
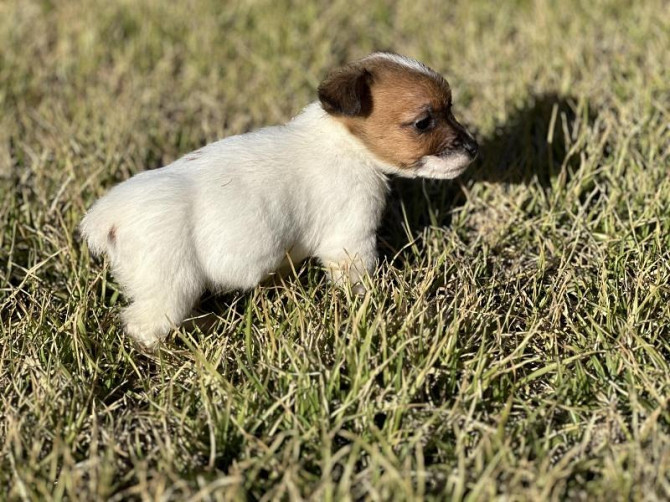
(424, 124)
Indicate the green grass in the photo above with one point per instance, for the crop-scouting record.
(516, 339)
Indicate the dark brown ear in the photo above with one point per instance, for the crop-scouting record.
(346, 91)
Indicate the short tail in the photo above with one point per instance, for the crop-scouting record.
(100, 233)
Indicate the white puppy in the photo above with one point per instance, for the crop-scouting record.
(227, 216)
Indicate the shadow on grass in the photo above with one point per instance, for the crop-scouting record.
(518, 152)
(521, 151)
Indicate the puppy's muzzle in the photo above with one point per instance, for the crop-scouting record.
(471, 146)
(467, 144)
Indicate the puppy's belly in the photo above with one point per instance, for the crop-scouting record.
(236, 259)
(292, 258)
(243, 230)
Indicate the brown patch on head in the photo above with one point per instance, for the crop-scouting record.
(111, 235)
(400, 109)
(346, 91)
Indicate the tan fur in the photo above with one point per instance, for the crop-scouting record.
(111, 235)
(399, 97)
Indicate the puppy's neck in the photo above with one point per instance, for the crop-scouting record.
(332, 133)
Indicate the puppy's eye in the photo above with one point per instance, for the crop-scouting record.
(424, 124)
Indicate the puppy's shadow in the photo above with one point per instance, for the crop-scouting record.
(528, 148)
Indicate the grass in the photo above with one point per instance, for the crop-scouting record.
(515, 343)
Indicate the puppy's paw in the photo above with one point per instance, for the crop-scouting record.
(144, 336)
(359, 289)
(140, 325)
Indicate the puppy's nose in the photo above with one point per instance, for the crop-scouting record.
(471, 146)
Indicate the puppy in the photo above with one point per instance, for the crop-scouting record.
(228, 215)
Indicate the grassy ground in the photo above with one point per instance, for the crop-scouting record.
(516, 342)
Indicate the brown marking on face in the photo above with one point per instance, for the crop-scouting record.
(408, 110)
(111, 235)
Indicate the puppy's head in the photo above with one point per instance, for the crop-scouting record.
(401, 111)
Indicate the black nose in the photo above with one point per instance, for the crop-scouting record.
(471, 146)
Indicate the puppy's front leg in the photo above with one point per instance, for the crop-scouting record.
(350, 263)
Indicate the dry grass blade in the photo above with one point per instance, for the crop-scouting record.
(515, 343)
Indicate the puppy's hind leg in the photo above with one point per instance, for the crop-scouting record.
(161, 298)
(154, 312)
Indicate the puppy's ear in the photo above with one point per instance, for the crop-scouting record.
(346, 91)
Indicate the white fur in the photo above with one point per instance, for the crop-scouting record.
(228, 215)
(432, 166)
(409, 63)
(445, 168)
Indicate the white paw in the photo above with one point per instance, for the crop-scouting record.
(142, 327)
(146, 336)
(358, 289)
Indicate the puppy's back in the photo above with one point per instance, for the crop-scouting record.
(132, 205)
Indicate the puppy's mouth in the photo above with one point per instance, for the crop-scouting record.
(448, 164)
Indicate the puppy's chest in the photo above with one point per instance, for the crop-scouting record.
(355, 203)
